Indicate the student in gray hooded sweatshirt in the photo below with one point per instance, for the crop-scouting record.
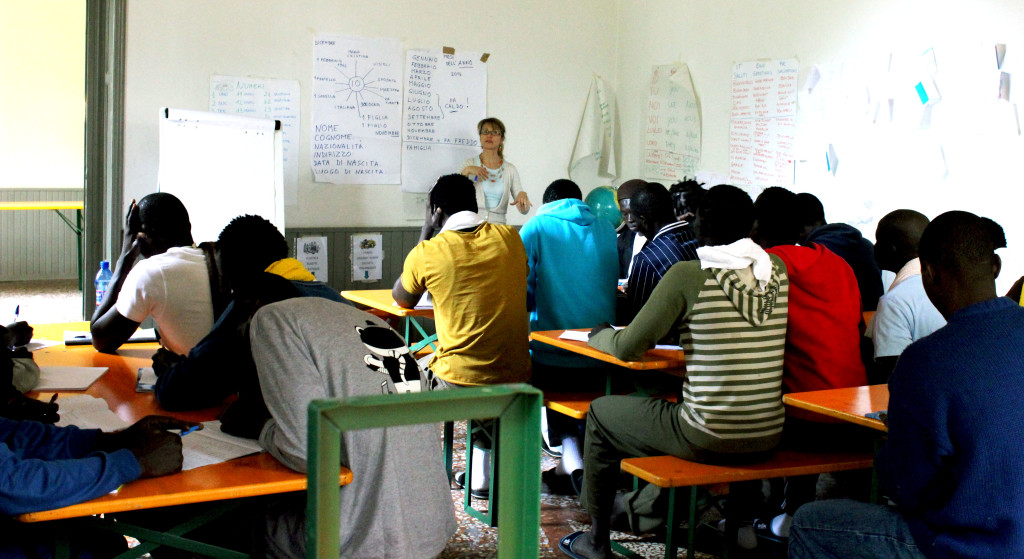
(398, 504)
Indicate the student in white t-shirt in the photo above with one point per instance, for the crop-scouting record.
(172, 284)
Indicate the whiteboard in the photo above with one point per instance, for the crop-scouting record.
(221, 166)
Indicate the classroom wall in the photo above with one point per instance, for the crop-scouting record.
(543, 56)
(881, 167)
(545, 53)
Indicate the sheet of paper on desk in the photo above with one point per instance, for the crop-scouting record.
(67, 377)
(40, 344)
(88, 413)
(84, 337)
(425, 302)
(210, 445)
(575, 335)
(580, 335)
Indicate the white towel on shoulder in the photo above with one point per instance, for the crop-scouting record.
(737, 256)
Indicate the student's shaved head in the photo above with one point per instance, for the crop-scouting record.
(959, 264)
(897, 237)
(625, 190)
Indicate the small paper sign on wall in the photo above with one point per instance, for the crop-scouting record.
(312, 252)
(367, 257)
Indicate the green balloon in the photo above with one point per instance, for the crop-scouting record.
(605, 204)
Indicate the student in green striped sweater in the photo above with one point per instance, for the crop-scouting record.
(730, 309)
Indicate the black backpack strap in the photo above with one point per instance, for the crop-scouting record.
(218, 294)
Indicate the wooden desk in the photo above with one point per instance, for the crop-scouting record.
(58, 205)
(665, 360)
(247, 476)
(848, 404)
(382, 300)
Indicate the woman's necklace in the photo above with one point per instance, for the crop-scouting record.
(498, 172)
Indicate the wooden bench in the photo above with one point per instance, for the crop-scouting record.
(672, 473)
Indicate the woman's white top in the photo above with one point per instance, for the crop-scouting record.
(487, 191)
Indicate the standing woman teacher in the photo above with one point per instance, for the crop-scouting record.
(493, 176)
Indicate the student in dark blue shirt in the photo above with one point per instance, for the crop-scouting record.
(44, 467)
(953, 459)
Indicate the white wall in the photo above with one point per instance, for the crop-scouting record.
(882, 167)
(543, 55)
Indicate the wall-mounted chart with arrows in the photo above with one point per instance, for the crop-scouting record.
(357, 110)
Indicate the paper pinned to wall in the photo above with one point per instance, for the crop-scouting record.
(761, 130)
(672, 140)
(367, 257)
(593, 155)
(445, 98)
(265, 98)
(357, 110)
(312, 252)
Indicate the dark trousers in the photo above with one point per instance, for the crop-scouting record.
(626, 426)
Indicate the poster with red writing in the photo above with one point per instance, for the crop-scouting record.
(761, 130)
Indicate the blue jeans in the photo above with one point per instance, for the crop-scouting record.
(845, 529)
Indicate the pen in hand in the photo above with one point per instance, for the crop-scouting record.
(54, 397)
(189, 430)
(17, 311)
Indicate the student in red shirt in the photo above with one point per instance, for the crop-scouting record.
(822, 336)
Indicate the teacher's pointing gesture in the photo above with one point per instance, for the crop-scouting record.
(496, 179)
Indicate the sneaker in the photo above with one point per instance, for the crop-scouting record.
(775, 529)
(460, 483)
(552, 451)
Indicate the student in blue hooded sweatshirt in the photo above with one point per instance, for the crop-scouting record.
(572, 284)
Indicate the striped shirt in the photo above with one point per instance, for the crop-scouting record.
(733, 386)
(734, 337)
(675, 242)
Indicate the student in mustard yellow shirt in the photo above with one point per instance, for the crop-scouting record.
(476, 274)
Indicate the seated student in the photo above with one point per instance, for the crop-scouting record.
(669, 241)
(904, 313)
(686, 196)
(629, 240)
(571, 284)
(844, 240)
(398, 504)
(736, 290)
(953, 457)
(822, 336)
(221, 363)
(476, 274)
(172, 284)
(45, 467)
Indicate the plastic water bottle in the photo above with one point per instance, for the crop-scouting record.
(103, 281)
